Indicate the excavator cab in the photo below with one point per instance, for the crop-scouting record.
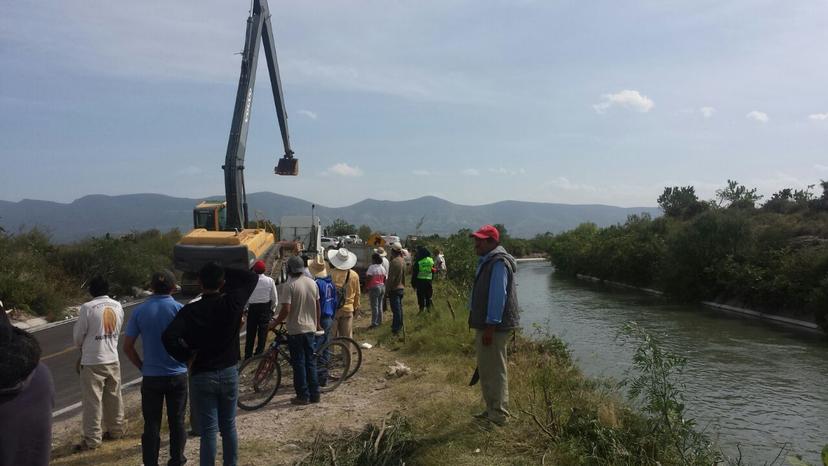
(210, 215)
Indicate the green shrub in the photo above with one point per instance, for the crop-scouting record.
(43, 278)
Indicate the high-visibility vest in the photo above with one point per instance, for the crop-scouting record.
(424, 267)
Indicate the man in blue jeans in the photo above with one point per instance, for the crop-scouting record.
(395, 286)
(164, 377)
(206, 333)
(300, 309)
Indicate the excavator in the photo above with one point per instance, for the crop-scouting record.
(220, 228)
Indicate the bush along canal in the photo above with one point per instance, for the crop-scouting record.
(752, 387)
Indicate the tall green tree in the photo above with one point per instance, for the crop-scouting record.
(737, 196)
(340, 227)
(680, 202)
(364, 232)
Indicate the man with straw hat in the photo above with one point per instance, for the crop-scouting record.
(346, 282)
(395, 286)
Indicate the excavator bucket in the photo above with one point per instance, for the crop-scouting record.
(288, 166)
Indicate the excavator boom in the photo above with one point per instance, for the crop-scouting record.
(258, 25)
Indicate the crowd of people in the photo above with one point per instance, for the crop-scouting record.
(192, 351)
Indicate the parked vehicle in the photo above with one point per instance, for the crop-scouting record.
(328, 242)
(352, 239)
(390, 239)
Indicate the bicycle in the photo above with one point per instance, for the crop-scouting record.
(356, 354)
(261, 376)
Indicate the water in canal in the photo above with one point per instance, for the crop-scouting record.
(755, 385)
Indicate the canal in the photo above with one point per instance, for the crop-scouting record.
(750, 384)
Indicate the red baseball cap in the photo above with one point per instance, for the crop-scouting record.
(259, 266)
(487, 231)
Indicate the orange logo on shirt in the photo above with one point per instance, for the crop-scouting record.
(109, 321)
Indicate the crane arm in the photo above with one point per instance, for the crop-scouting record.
(258, 25)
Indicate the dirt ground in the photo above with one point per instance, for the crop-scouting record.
(278, 433)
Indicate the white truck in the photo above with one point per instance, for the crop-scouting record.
(304, 229)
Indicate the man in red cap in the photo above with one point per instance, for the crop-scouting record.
(259, 311)
(493, 315)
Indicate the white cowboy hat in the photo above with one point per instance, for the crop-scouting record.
(342, 258)
(380, 251)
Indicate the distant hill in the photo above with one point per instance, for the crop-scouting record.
(97, 215)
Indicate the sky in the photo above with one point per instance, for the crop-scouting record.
(474, 101)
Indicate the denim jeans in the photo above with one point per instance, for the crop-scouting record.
(376, 295)
(304, 366)
(322, 369)
(397, 309)
(154, 391)
(215, 394)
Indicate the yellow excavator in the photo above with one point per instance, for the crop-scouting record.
(220, 228)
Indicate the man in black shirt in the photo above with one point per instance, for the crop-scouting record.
(205, 333)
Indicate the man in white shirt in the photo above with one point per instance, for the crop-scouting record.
(384, 255)
(96, 335)
(259, 311)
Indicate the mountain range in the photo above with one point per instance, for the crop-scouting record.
(96, 215)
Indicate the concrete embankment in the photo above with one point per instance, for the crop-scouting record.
(773, 318)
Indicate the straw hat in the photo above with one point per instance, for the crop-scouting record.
(317, 268)
(342, 258)
(381, 252)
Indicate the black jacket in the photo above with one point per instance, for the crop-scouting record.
(208, 329)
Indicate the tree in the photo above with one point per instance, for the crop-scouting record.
(738, 196)
(364, 232)
(340, 227)
(504, 233)
(680, 202)
(822, 202)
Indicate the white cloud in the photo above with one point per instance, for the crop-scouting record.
(630, 99)
(190, 171)
(756, 115)
(820, 167)
(507, 171)
(343, 169)
(707, 112)
(471, 172)
(308, 113)
(420, 172)
(818, 116)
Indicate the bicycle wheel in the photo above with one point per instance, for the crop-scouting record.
(333, 361)
(356, 355)
(259, 378)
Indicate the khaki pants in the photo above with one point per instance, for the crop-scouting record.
(101, 396)
(494, 379)
(343, 324)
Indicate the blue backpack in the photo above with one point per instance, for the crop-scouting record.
(327, 296)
